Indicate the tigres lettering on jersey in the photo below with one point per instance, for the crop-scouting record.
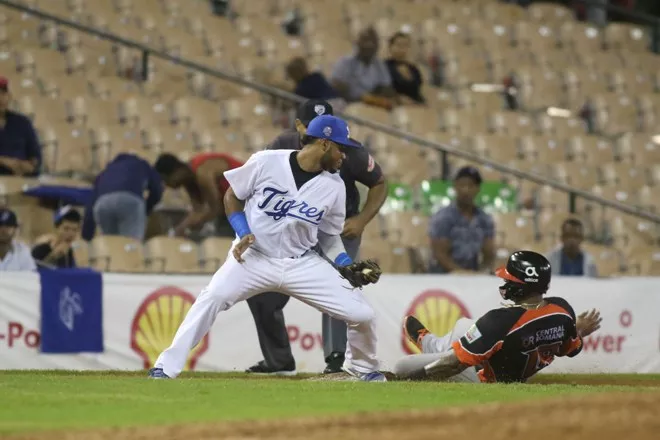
(285, 219)
(512, 344)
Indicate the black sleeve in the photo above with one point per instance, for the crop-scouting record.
(486, 336)
(72, 259)
(41, 251)
(364, 168)
(33, 146)
(418, 83)
(285, 141)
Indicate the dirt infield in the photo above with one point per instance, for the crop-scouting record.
(598, 417)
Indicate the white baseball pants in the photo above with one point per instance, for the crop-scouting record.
(309, 278)
(432, 344)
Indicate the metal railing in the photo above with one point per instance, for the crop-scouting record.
(445, 150)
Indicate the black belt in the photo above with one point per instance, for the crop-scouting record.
(301, 255)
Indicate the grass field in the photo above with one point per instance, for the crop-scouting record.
(48, 400)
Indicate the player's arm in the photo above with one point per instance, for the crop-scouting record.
(585, 324)
(232, 203)
(243, 183)
(369, 173)
(205, 209)
(331, 227)
(446, 366)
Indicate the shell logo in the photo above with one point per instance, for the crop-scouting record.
(157, 320)
(438, 310)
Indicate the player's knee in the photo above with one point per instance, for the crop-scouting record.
(363, 315)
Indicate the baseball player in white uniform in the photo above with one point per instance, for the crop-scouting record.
(288, 196)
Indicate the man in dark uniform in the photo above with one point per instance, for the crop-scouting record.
(359, 166)
(509, 344)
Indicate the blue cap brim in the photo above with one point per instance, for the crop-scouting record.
(349, 143)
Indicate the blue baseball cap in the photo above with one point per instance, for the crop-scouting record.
(8, 218)
(333, 129)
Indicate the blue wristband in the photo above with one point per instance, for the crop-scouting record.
(343, 259)
(238, 221)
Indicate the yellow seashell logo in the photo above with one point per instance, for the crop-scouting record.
(438, 310)
(157, 320)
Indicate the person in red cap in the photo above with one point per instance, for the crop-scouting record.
(20, 152)
(203, 180)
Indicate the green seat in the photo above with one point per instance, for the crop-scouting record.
(497, 197)
(436, 194)
(400, 197)
(493, 197)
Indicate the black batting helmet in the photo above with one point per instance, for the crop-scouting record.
(526, 272)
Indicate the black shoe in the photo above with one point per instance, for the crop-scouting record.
(261, 368)
(334, 363)
(415, 330)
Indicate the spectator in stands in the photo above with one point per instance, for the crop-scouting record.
(20, 152)
(461, 233)
(310, 85)
(568, 258)
(14, 255)
(362, 76)
(406, 77)
(118, 205)
(205, 184)
(56, 249)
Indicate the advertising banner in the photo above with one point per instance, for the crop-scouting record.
(142, 312)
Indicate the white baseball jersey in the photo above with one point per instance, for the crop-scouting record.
(285, 220)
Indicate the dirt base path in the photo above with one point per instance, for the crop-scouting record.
(596, 417)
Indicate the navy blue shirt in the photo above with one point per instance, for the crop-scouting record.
(18, 140)
(126, 173)
(572, 267)
(315, 86)
(466, 235)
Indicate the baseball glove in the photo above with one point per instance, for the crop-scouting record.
(361, 273)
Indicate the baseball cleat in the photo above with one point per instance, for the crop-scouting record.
(260, 368)
(374, 376)
(158, 373)
(414, 330)
(334, 363)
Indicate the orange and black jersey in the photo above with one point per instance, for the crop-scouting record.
(512, 344)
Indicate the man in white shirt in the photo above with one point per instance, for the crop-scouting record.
(277, 203)
(14, 255)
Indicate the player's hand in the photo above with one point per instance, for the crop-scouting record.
(60, 248)
(243, 246)
(13, 164)
(588, 322)
(353, 227)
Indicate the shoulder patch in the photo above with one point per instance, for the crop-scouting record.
(472, 334)
(371, 164)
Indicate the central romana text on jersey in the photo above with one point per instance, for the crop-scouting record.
(277, 205)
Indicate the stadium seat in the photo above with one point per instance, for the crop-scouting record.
(111, 253)
(391, 259)
(214, 251)
(626, 37)
(88, 102)
(608, 261)
(66, 148)
(168, 254)
(645, 262)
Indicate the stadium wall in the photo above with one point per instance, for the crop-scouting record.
(142, 312)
